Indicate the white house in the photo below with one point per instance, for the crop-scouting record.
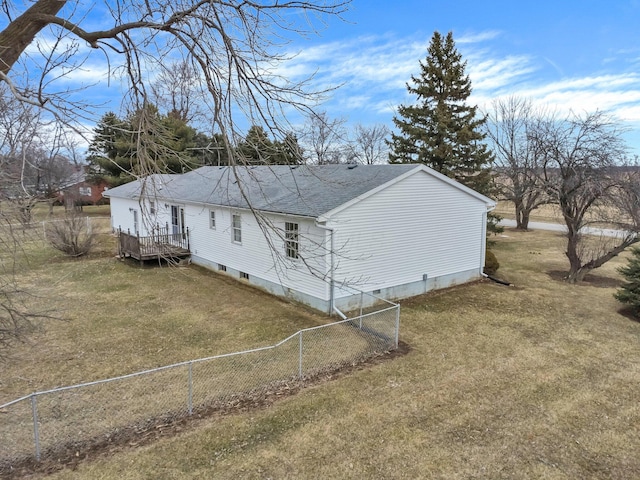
(318, 234)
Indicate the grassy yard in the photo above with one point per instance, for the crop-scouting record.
(537, 380)
(115, 318)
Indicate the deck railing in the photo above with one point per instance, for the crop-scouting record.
(160, 242)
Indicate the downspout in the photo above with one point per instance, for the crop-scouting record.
(331, 266)
(484, 239)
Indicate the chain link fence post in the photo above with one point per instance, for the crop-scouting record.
(36, 432)
(397, 340)
(300, 356)
(190, 401)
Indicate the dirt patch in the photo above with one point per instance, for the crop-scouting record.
(71, 455)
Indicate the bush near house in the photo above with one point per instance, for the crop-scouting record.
(491, 264)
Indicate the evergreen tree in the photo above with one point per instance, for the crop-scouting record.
(170, 146)
(258, 149)
(629, 292)
(440, 129)
(110, 152)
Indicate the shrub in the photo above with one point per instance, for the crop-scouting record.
(71, 235)
(629, 292)
(491, 264)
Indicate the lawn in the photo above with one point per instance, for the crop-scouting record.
(114, 317)
(536, 380)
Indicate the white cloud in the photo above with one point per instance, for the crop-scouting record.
(477, 37)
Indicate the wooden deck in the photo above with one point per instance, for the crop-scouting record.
(159, 245)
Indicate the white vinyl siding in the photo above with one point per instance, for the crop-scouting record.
(258, 258)
(418, 226)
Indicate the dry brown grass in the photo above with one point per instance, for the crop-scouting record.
(544, 213)
(538, 380)
(116, 318)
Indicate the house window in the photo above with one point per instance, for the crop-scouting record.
(152, 207)
(244, 275)
(85, 191)
(212, 219)
(222, 268)
(135, 220)
(236, 228)
(291, 240)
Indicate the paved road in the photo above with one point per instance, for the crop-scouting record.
(557, 227)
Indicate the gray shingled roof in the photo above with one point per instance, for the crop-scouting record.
(307, 190)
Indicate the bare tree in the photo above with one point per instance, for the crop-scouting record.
(230, 51)
(517, 166)
(177, 90)
(232, 47)
(324, 138)
(369, 145)
(586, 172)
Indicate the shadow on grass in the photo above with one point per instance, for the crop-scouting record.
(599, 281)
(630, 313)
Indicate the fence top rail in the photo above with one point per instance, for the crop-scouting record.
(39, 223)
(199, 360)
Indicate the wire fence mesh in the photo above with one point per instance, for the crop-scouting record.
(46, 425)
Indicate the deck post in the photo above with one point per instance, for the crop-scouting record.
(139, 249)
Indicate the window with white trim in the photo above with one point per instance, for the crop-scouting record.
(291, 240)
(236, 228)
(212, 219)
(152, 207)
(85, 191)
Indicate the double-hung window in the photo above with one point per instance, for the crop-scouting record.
(291, 240)
(236, 228)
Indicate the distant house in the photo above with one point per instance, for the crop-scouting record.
(318, 233)
(80, 190)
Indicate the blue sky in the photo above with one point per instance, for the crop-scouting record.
(564, 54)
(567, 55)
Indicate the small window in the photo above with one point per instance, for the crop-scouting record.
(212, 219)
(222, 268)
(236, 228)
(291, 240)
(244, 275)
(152, 207)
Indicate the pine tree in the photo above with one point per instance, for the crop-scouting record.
(170, 144)
(440, 129)
(629, 292)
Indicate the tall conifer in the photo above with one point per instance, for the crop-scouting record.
(440, 129)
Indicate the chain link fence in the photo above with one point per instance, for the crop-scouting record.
(50, 424)
(42, 229)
